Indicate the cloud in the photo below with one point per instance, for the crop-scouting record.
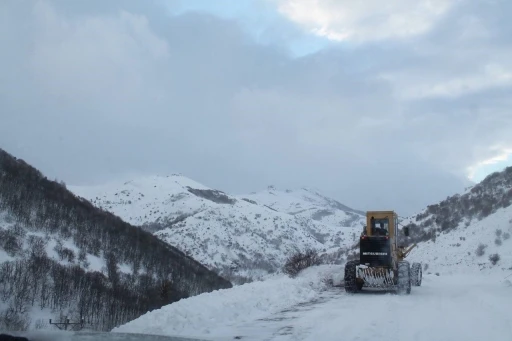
(96, 90)
(502, 154)
(95, 56)
(369, 20)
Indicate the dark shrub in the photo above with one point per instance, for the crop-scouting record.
(480, 250)
(300, 261)
(494, 258)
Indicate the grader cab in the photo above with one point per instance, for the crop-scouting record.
(381, 262)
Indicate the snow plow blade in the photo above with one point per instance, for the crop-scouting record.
(372, 277)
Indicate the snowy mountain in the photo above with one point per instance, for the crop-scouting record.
(232, 234)
(309, 203)
(466, 268)
(476, 203)
(482, 245)
(467, 280)
(467, 231)
(464, 244)
(60, 255)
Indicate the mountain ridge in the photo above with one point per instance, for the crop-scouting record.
(234, 234)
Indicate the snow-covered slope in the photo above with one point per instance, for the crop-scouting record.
(470, 248)
(19, 241)
(230, 234)
(60, 255)
(477, 202)
(450, 232)
(309, 203)
(160, 199)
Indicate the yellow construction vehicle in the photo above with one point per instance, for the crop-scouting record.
(381, 262)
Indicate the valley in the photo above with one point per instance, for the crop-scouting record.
(226, 278)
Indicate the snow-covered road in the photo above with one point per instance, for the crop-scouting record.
(469, 305)
(450, 307)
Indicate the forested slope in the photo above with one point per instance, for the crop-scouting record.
(61, 255)
(478, 202)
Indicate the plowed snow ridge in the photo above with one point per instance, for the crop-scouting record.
(447, 307)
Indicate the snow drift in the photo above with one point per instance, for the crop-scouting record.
(214, 312)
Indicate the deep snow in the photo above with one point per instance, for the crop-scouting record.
(463, 297)
(219, 312)
(454, 307)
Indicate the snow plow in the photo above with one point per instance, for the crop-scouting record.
(381, 262)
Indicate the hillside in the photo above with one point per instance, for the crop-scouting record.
(482, 246)
(235, 235)
(60, 255)
(308, 203)
(478, 202)
(466, 232)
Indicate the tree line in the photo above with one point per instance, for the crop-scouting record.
(160, 274)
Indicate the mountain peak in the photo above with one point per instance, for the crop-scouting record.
(254, 232)
(308, 202)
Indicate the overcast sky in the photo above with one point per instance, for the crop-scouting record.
(382, 106)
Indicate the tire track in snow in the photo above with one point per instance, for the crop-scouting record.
(446, 308)
(280, 324)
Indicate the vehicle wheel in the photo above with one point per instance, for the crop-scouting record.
(350, 277)
(416, 274)
(404, 278)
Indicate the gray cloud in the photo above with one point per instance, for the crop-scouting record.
(98, 90)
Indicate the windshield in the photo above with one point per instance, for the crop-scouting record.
(380, 226)
(208, 169)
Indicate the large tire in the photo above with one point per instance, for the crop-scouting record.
(350, 277)
(404, 278)
(416, 274)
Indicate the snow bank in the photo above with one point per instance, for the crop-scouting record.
(212, 313)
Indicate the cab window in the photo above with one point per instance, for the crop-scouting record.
(380, 227)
